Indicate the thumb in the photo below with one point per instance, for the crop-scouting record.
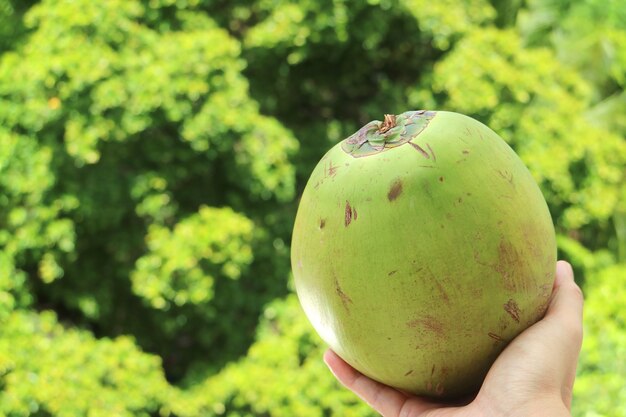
(565, 312)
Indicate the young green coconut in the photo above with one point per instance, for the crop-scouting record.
(421, 247)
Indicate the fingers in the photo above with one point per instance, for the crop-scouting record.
(384, 399)
(566, 306)
(565, 313)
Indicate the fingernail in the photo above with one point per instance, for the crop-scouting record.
(564, 269)
(325, 358)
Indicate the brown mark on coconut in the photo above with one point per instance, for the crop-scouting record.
(508, 260)
(513, 309)
(440, 179)
(392, 272)
(431, 277)
(420, 150)
(466, 151)
(409, 373)
(347, 214)
(322, 223)
(331, 170)
(530, 231)
(354, 213)
(546, 289)
(439, 389)
(345, 298)
(432, 152)
(432, 371)
(540, 311)
(495, 337)
(442, 292)
(507, 176)
(479, 261)
(395, 190)
(428, 323)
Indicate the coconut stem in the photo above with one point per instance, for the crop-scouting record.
(388, 123)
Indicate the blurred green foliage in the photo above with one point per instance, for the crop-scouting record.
(149, 175)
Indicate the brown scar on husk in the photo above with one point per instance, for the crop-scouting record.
(322, 223)
(395, 190)
(508, 176)
(332, 169)
(432, 371)
(442, 291)
(392, 272)
(466, 151)
(432, 152)
(354, 213)
(546, 289)
(513, 309)
(429, 323)
(419, 149)
(409, 373)
(495, 337)
(345, 298)
(348, 214)
(440, 179)
(439, 388)
(508, 258)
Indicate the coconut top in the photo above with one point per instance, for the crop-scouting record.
(377, 136)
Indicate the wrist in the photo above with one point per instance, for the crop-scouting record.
(554, 408)
(512, 407)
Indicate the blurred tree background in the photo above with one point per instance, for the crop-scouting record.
(152, 153)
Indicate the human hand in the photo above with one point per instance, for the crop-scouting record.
(533, 376)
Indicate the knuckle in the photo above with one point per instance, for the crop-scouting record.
(573, 331)
(578, 291)
(575, 292)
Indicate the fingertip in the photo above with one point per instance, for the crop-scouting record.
(566, 306)
(565, 277)
(338, 367)
(329, 357)
(564, 271)
(386, 400)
